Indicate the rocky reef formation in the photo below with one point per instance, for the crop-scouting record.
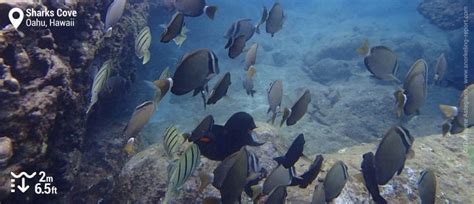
(446, 14)
(447, 156)
(45, 79)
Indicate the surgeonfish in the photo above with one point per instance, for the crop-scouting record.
(194, 8)
(335, 180)
(392, 153)
(440, 69)
(277, 196)
(220, 89)
(368, 172)
(310, 175)
(142, 44)
(203, 128)
(222, 141)
(427, 187)
(231, 175)
(295, 151)
(462, 116)
(251, 56)
(319, 196)
(205, 178)
(174, 29)
(165, 73)
(179, 40)
(299, 109)
(172, 141)
(181, 170)
(275, 19)
(279, 176)
(247, 81)
(100, 79)
(194, 71)
(262, 20)
(415, 89)
(237, 47)
(240, 27)
(275, 96)
(130, 146)
(382, 63)
(139, 119)
(162, 88)
(364, 49)
(114, 13)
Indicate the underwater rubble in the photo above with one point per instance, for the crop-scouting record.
(446, 14)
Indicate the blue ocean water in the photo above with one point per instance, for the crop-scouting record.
(348, 106)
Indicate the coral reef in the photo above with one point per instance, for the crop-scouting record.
(451, 163)
(446, 14)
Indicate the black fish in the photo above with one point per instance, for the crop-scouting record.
(220, 89)
(223, 141)
(202, 129)
(368, 171)
(293, 154)
(308, 177)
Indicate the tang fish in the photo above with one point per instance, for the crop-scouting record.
(237, 47)
(441, 68)
(162, 88)
(139, 119)
(194, 8)
(262, 19)
(280, 176)
(392, 153)
(368, 171)
(364, 49)
(251, 56)
(221, 141)
(231, 175)
(99, 82)
(194, 71)
(114, 13)
(335, 180)
(310, 175)
(174, 29)
(382, 63)
(172, 141)
(277, 196)
(142, 44)
(247, 81)
(220, 89)
(293, 154)
(461, 117)
(182, 170)
(427, 187)
(165, 73)
(299, 108)
(275, 19)
(240, 27)
(204, 127)
(414, 89)
(286, 114)
(275, 95)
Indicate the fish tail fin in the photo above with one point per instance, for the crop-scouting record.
(210, 11)
(379, 199)
(257, 28)
(146, 57)
(273, 118)
(89, 108)
(395, 79)
(281, 160)
(448, 111)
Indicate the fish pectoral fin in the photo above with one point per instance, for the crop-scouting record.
(146, 57)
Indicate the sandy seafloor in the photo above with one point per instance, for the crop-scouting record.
(348, 106)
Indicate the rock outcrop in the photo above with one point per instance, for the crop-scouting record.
(446, 14)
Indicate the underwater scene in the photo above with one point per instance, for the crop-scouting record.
(215, 101)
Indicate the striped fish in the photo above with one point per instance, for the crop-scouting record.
(182, 170)
(142, 44)
(172, 140)
(100, 80)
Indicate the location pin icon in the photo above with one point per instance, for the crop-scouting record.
(16, 21)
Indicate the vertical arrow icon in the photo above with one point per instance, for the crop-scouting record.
(23, 187)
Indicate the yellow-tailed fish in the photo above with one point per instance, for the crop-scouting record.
(364, 49)
(179, 40)
(142, 44)
(100, 80)
(182, 170)
(172, 141)
(251, 72)
(130, 146)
